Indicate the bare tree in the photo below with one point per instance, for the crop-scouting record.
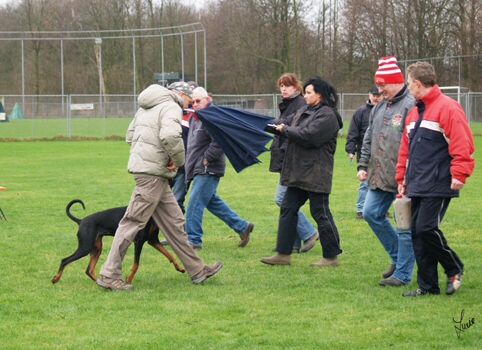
(249, 42)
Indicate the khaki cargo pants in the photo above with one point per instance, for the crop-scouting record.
(152, 196)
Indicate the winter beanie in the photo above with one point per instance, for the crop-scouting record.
(388, 72)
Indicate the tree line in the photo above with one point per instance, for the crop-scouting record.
(249, 43)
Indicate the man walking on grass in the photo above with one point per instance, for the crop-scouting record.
(157, 150)
(434, 161)
(377, 166)
(205, 165)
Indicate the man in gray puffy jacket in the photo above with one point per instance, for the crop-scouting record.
(157, 150)
(379, 154)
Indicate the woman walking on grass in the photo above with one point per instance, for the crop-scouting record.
(291, 92)
(307, 171)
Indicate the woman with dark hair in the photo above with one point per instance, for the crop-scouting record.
(307, 171)
(292, 100)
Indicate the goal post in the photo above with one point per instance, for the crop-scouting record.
(459, 94)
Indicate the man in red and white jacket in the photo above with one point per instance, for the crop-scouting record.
(434, 160)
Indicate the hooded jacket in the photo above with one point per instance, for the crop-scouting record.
(155, 133)
(311, 143)
(439, 150)
(278, 147)
(379, 153)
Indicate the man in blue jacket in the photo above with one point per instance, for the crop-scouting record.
(205, 165)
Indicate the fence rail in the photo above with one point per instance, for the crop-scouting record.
(47, 116)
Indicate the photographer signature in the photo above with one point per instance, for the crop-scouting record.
(461, 325)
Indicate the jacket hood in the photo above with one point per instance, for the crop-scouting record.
(155, 94)
(335, 110)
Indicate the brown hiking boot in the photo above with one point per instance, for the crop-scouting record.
(277, 259)
(389, 271)
(196, 247)
(209, 270)
(310, 242)
(245, 235)
(113, 284)
(391, 281)
(333, 261)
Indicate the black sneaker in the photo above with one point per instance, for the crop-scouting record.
(453, 283)
(417, 292)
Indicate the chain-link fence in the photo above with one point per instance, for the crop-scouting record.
(105, 116)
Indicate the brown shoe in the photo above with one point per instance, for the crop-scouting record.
(113, 284)
(209, 270)
(277, 259)
(245, 235)
(196, 247)
(389, 271)
(333, 261)
(310, 242)
(391, 281)
(359, 215)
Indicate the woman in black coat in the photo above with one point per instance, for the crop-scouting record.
(307, 171)
(292, 101)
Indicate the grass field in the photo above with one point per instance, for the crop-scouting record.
(49, 128)
(248, 305)
(91, 127)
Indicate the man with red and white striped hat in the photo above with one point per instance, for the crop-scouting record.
(379, 154)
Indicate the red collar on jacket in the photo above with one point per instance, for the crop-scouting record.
(432, 95)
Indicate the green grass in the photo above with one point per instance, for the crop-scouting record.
(248, 305)
(49, 128)
(90, 127)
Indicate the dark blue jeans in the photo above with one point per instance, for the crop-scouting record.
(179, 189)
(203, 196)
(397, 243)
(293, 200)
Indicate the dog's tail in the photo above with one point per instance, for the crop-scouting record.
(67, 210)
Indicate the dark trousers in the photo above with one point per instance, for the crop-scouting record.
(429, 244)
(293, 200)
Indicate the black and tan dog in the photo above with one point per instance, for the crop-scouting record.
(104, 223)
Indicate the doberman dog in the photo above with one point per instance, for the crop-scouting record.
(104, 223)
